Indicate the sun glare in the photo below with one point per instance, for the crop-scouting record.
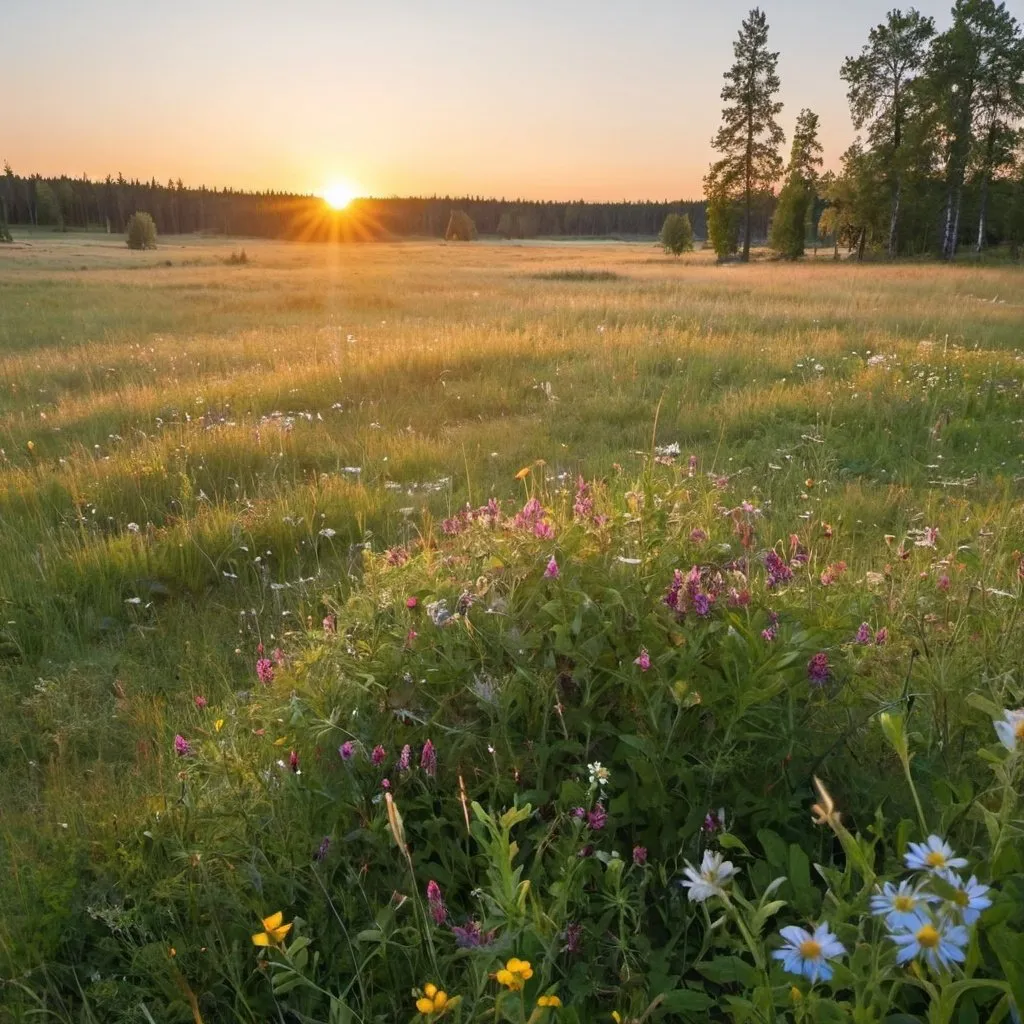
(338, 195)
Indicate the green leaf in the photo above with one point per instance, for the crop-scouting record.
(774, 847)
(725, 969)
(686, 1000)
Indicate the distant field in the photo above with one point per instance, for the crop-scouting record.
(189, 444)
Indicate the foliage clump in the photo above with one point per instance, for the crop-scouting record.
(676, 234)
(460, 227)
(141, 231)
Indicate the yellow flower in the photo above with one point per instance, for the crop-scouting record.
(552, 1001)
(617, 1017)
(515, 974)
(275, 931)
(218, 725)
(433, 1002)
(523, 473)
(795, 994)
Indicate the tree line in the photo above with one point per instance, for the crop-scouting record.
(79, 203)
(939, 164)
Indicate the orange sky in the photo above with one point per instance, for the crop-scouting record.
(556, 99)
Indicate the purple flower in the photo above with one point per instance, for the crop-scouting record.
(200, 701)
(405, 758)
(769, 634)
(698, 536)
(639, 856)
(675, 588)
(265, 671)
(643, 660)
(378, 755)
(579, 813)
(346, 750)
(532, 513)
(293, 761)
(182, 747)
(544, 530)
(428, 759)
(471, 936)
(881, 637)
(942, 582)
(702, 605)
(583, 506)
(818, 670)
(573, 936)
(435, 902)
(321, 851)
(597, 818)
(778, 571)
(552, 572)
(714, 821)
(863, 634)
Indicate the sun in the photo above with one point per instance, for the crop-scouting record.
(339, 194)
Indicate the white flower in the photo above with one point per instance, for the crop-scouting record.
(935, 855)
(902, 907)
(1010, 729)
(599, 775)
(806, 953)
(327, 532)
(970, 898)
(940, 943)
(711, 879)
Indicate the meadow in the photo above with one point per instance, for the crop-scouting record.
(329, 576)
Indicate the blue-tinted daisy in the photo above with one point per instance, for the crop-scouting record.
(710, 879)
(939, 942)
(1010, 729)
(935, 855)
(807, 953)
(970, 898)
(902, 906)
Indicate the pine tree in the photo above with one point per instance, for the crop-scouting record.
(880, 88)
(749, 137)
(789, 225)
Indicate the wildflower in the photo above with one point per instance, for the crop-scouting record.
(942, 583)
(514, 974)
(818, 671)
(471, 936)
(265, 671)
(274, 931)
(597, 818)
(864, 634)
(330, 624)
(428, 759)
(639, 856)
(643, 660)
(552, 572)
(940, 943)
(411, 602)
(831, 573)
(278, 656)
(599, 775)
(778, 571)
(573, 936)
(824, 812)
(881, 637)
(769, 634)
(702, 605)
(550, 1001)
(807, 953)
(928, 537)
(182, 747)
(435, 902)
(523, 473)
(935, 855)
(1010, 729)
(698, 536)
(200, 701)
(901, 907)
(583, 504)
(218, 725)
(692, 468)
(714, 821)
(405, 758)
(675, 588)
(378, 755)
(346, 750)
(322, 849)
(710, 880)
(433, 1002)
(293, 761)
(970, 898)
(410, 637)
(544, 530)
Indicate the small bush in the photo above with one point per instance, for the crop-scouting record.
(141, 231)
(676, 234)
(237, 259)
(577, 275)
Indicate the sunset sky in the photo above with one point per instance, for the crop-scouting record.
(545, 99)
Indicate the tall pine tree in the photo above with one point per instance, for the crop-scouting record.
(749, 137)
(789, 225)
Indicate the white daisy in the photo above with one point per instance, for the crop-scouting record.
(599, 775)
(970, 898)
(903, 906)
(939, 942)
(807, 953)
(934, 855)
(1010, 729)
(711, 879)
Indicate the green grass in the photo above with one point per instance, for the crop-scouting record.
(191, 453)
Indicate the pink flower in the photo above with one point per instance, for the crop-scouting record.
(818, 670)
(182, 747)
(928, 538)
(942, 583)
(639, 856)
(597, 818)
(278, 656)
(544, 530)
(410, 637)
(863, 634)
(643, 660)
(200, 701)
(378, 755)
(428, 759)
(552, 572)
(698, 536)
(411, 602)
(405, 758)
(769, 634)
(330, 624)
(436, 903)
(293, 761)
(265, 671)
(346, 750)
(881, 637)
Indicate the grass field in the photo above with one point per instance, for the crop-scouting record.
(194, 451)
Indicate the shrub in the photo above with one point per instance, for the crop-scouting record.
(723, 226)
(789, 222)
(676, 234)
(460, 227)
(141, 231)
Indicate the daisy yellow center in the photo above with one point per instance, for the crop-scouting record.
(1018, 730)
(936, 859)
(903, 903)
(810, 950)
(961, 898)
(928, 937)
